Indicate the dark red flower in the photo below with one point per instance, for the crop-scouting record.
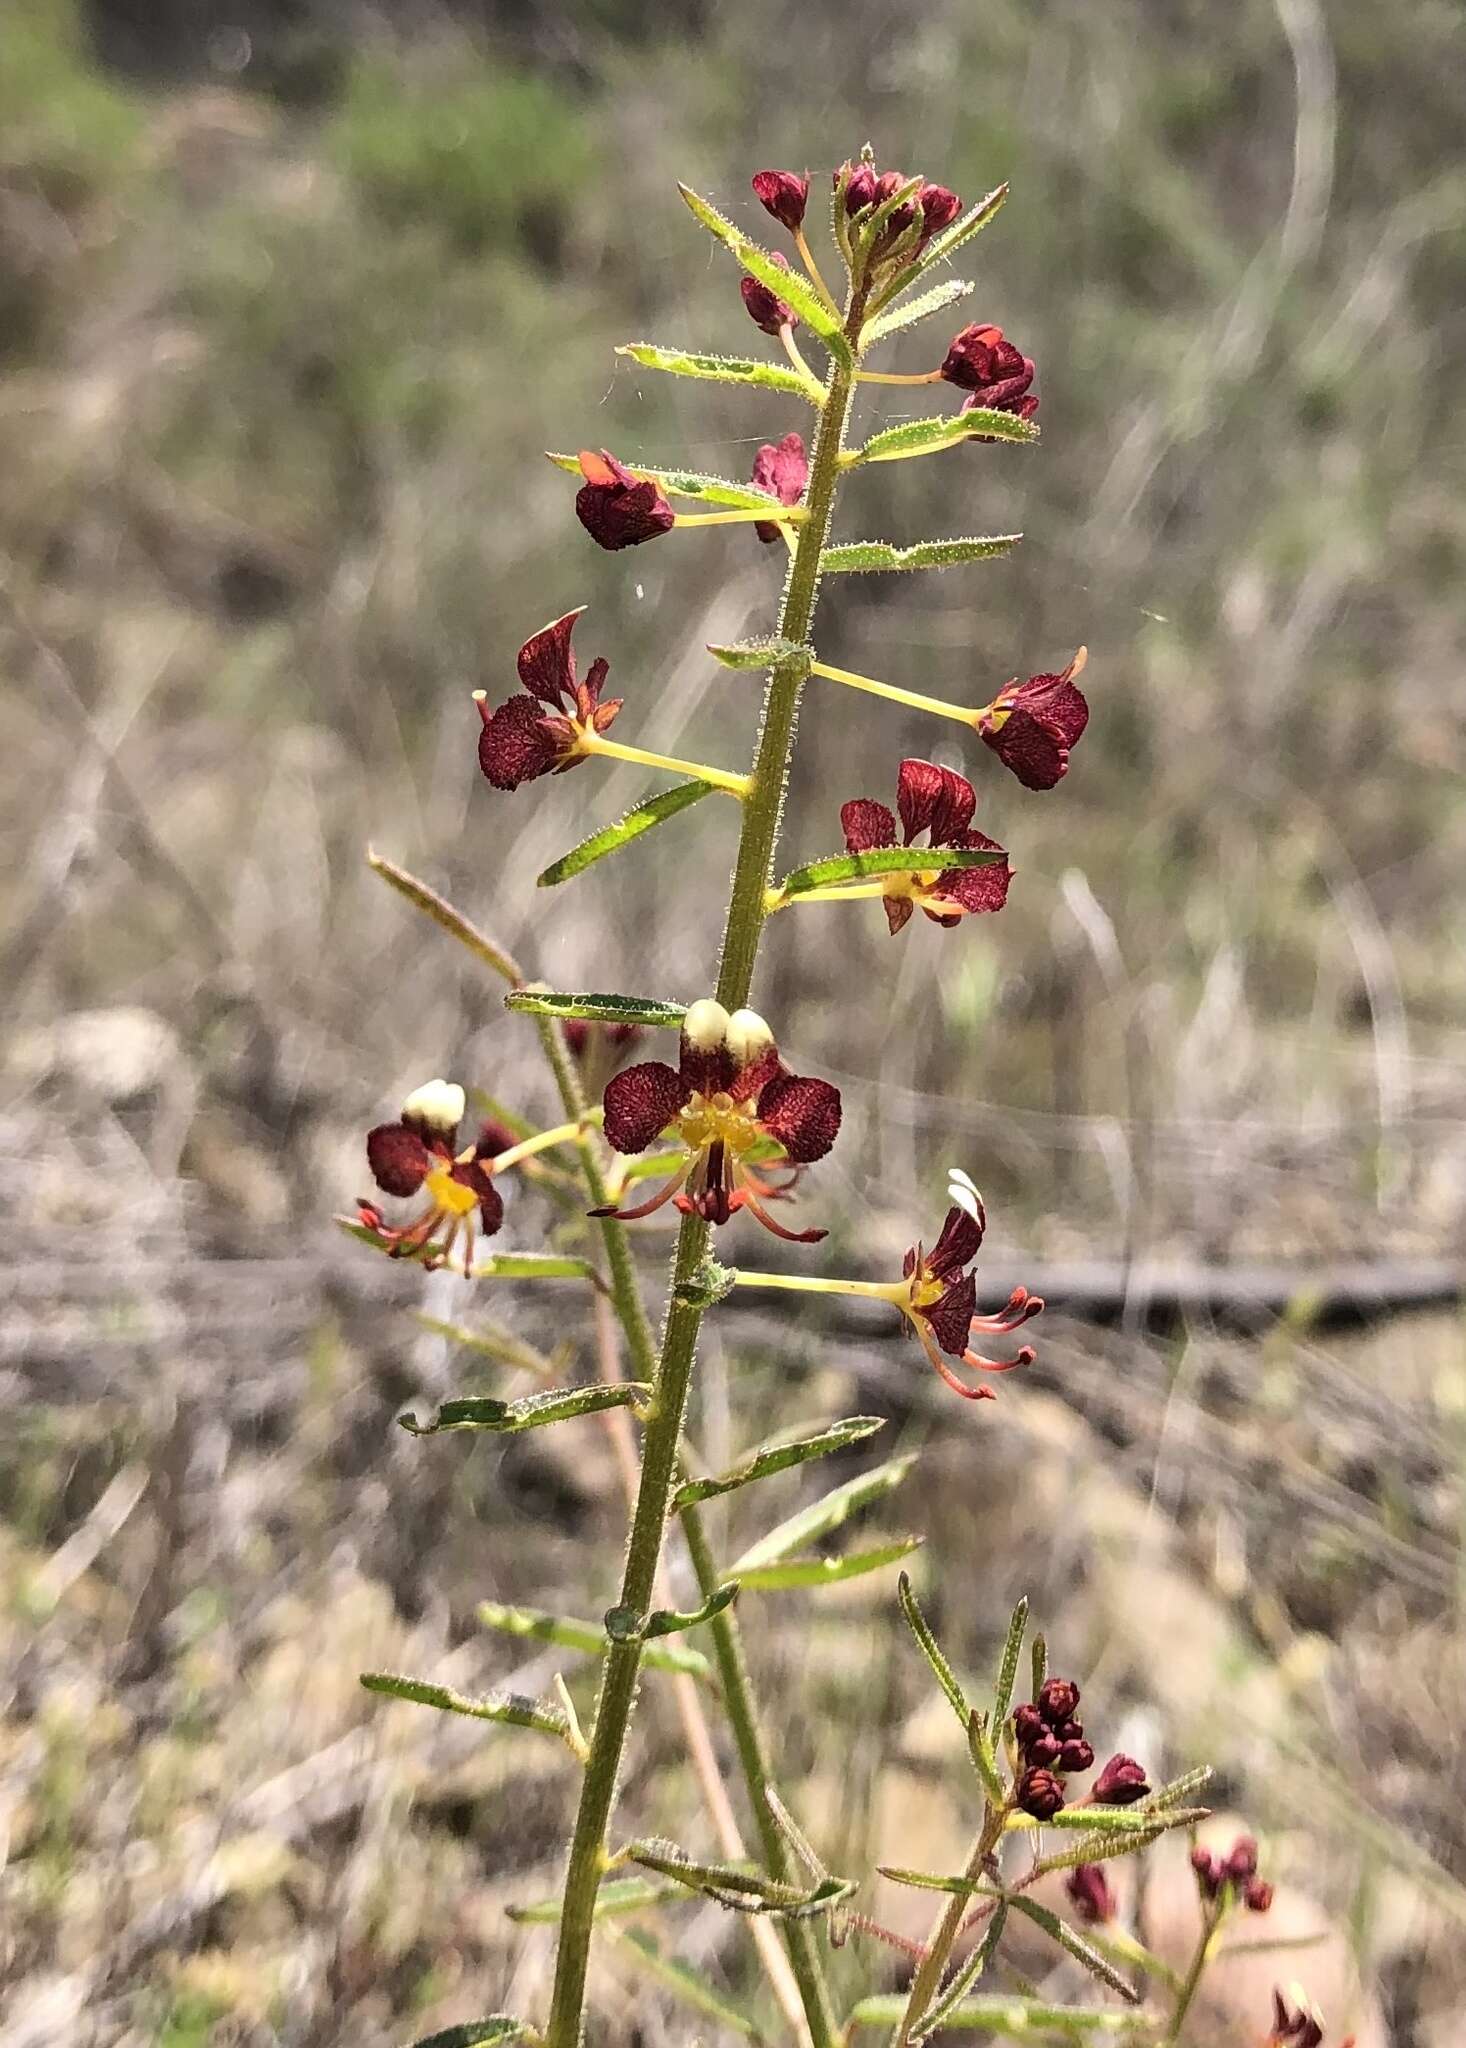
(1294, 2025)
(765, 308)
(1039, 1793)
(1257, 1895)
(1029, 1726)
(1120, 1783)
(1090, 1894)
(617, 509)
(939, 802)
(543, 731)
(1057, 1700)
(984, 363)
(861, 190)
(785, 195)
(1033, 727)
(939, 208)
(1075, 1755)
(1209, 1871)
(939, 1298)
(735, 1110)
(420, 1151)
(1241, 1861)
(781, 468)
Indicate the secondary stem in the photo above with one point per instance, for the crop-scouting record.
(964, 714)
(762, 810)
(927, 1983)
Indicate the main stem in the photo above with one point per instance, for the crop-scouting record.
(927, 1983)
(762, 810)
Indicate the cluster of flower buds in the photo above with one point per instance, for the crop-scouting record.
(994, 373)
(1235, 1872)
(419, 1153)
(920, 216)
(1052, 1747)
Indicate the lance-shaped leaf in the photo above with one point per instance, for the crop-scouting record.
(497, 2028)
(930, 1881)
(943, 430)
(980, 1748)
(647, 1011)
(778, 1456)
(944, 246)
(744, 1889)
(1014, 2015)
(531, 1411)
(1127, 1820)
(625, 1625)
(828, 1571)
(617, 1896)
(651, 812)
(859, 556)
(970, 1973)
(760, 653)
(1074, 1944)
(1039, 1664)
(511, 1707)
(934, 301)
(442, 912)
(929, 1647)
(505, 1347)
(787, 285)
(722, 369)
(684, 1982)
(501, 1266)
(694, 483)
(587, 1636)
(885, 860)
(1176, 1793)
(822, 1516)
(1008, 1663)
(1103, 1844)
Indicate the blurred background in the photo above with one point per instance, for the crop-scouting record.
(293, 295)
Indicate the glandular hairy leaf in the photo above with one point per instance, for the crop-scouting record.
(828, 1571)
(1008, 1664)
(510, 1707)
(778, 1456)
(759, 654)
(586, 1636)
(644, 817)
(691, 483)
(716, 369)
(822, 1516)
(1074, 1944)
(886, 860)
(532, 1411)
(920, 308)
(648, 1011)
(740, 1886)
(442, 913)
(795, 291)
(944, 246)
(616, 1896)
(1010, 2016)
(942, 430)
(857, 557)
(971, 1972)
(929, 1647)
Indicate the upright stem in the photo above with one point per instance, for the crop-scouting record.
(762, 809)
(927, 1983)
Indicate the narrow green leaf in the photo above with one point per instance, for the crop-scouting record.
(794, 290)
(491, 1340)
(827, 1571)
(616, 1896)
(1177, 1792)
(587, 1636)
(693, 483)
(984, 1756)
(743, 1888)
(645, 1010)
(928, 1881)
(944, 246)
(861, 555)
(942, 430)
(720, 369)
(886, 860)
(929, 1647)
(1074, 1944)
(971, 1972)
(1114, 1820)
(1012, 2015)
(759, 653)
(442, 912)
(665, 1622)
(1039, 1665)
(511, 1707)
(498, 2027)
(934, 301)
(685, 1982)
(778, 1456)
(651, 812)
(823, 1515)
(1103, 1844)
(1008, 1664)
(531, 1411)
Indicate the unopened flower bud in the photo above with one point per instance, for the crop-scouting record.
(1075, 1756)
(939, 208)
(1258, 1896)
(861, 190)
(1057, 1699)
(783, 194)
(1208, 1870)
(1242, 1859)
(765, 308)
(1120, 1783)
(1040, 1794)
(1090, 1894)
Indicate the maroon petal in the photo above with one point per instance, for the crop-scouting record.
(640, 1103)
(866, 825)
(938, 799)
(804, 1115)
(588, 693)
(1035, 751)
(950, 1319)
(784, 194)
(958, 1245)
(470, 1174)
(939, 208)
(617, 509)
(1056, 700)
(398, 1158)
(518, 743)
(974, 889)
(782, 468)
(898, 912)
(764, 307)
(547, 663)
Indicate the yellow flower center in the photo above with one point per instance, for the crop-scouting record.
(709, 1118)
(925, 1291)
(448, 1193)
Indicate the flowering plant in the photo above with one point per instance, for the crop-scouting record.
(730, 1132)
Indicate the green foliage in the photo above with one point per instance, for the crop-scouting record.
(885, 860)
(717, 369)
(822, 1517)
(531, 1411)
(643, 817)
(859, 556)
(778, 1457)
(69, 128)
(648, 1011)
(743, 1889)
(512, 1709)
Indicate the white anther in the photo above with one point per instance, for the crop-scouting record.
(439, 1104)
(749, 1037)
(705, 1027)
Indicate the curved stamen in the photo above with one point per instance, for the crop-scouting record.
(940, 1365)
(978, 1363)
(640, 1209)
(1020, 1308)
(747, 1199)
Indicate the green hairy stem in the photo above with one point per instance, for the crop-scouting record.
(742, 930)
